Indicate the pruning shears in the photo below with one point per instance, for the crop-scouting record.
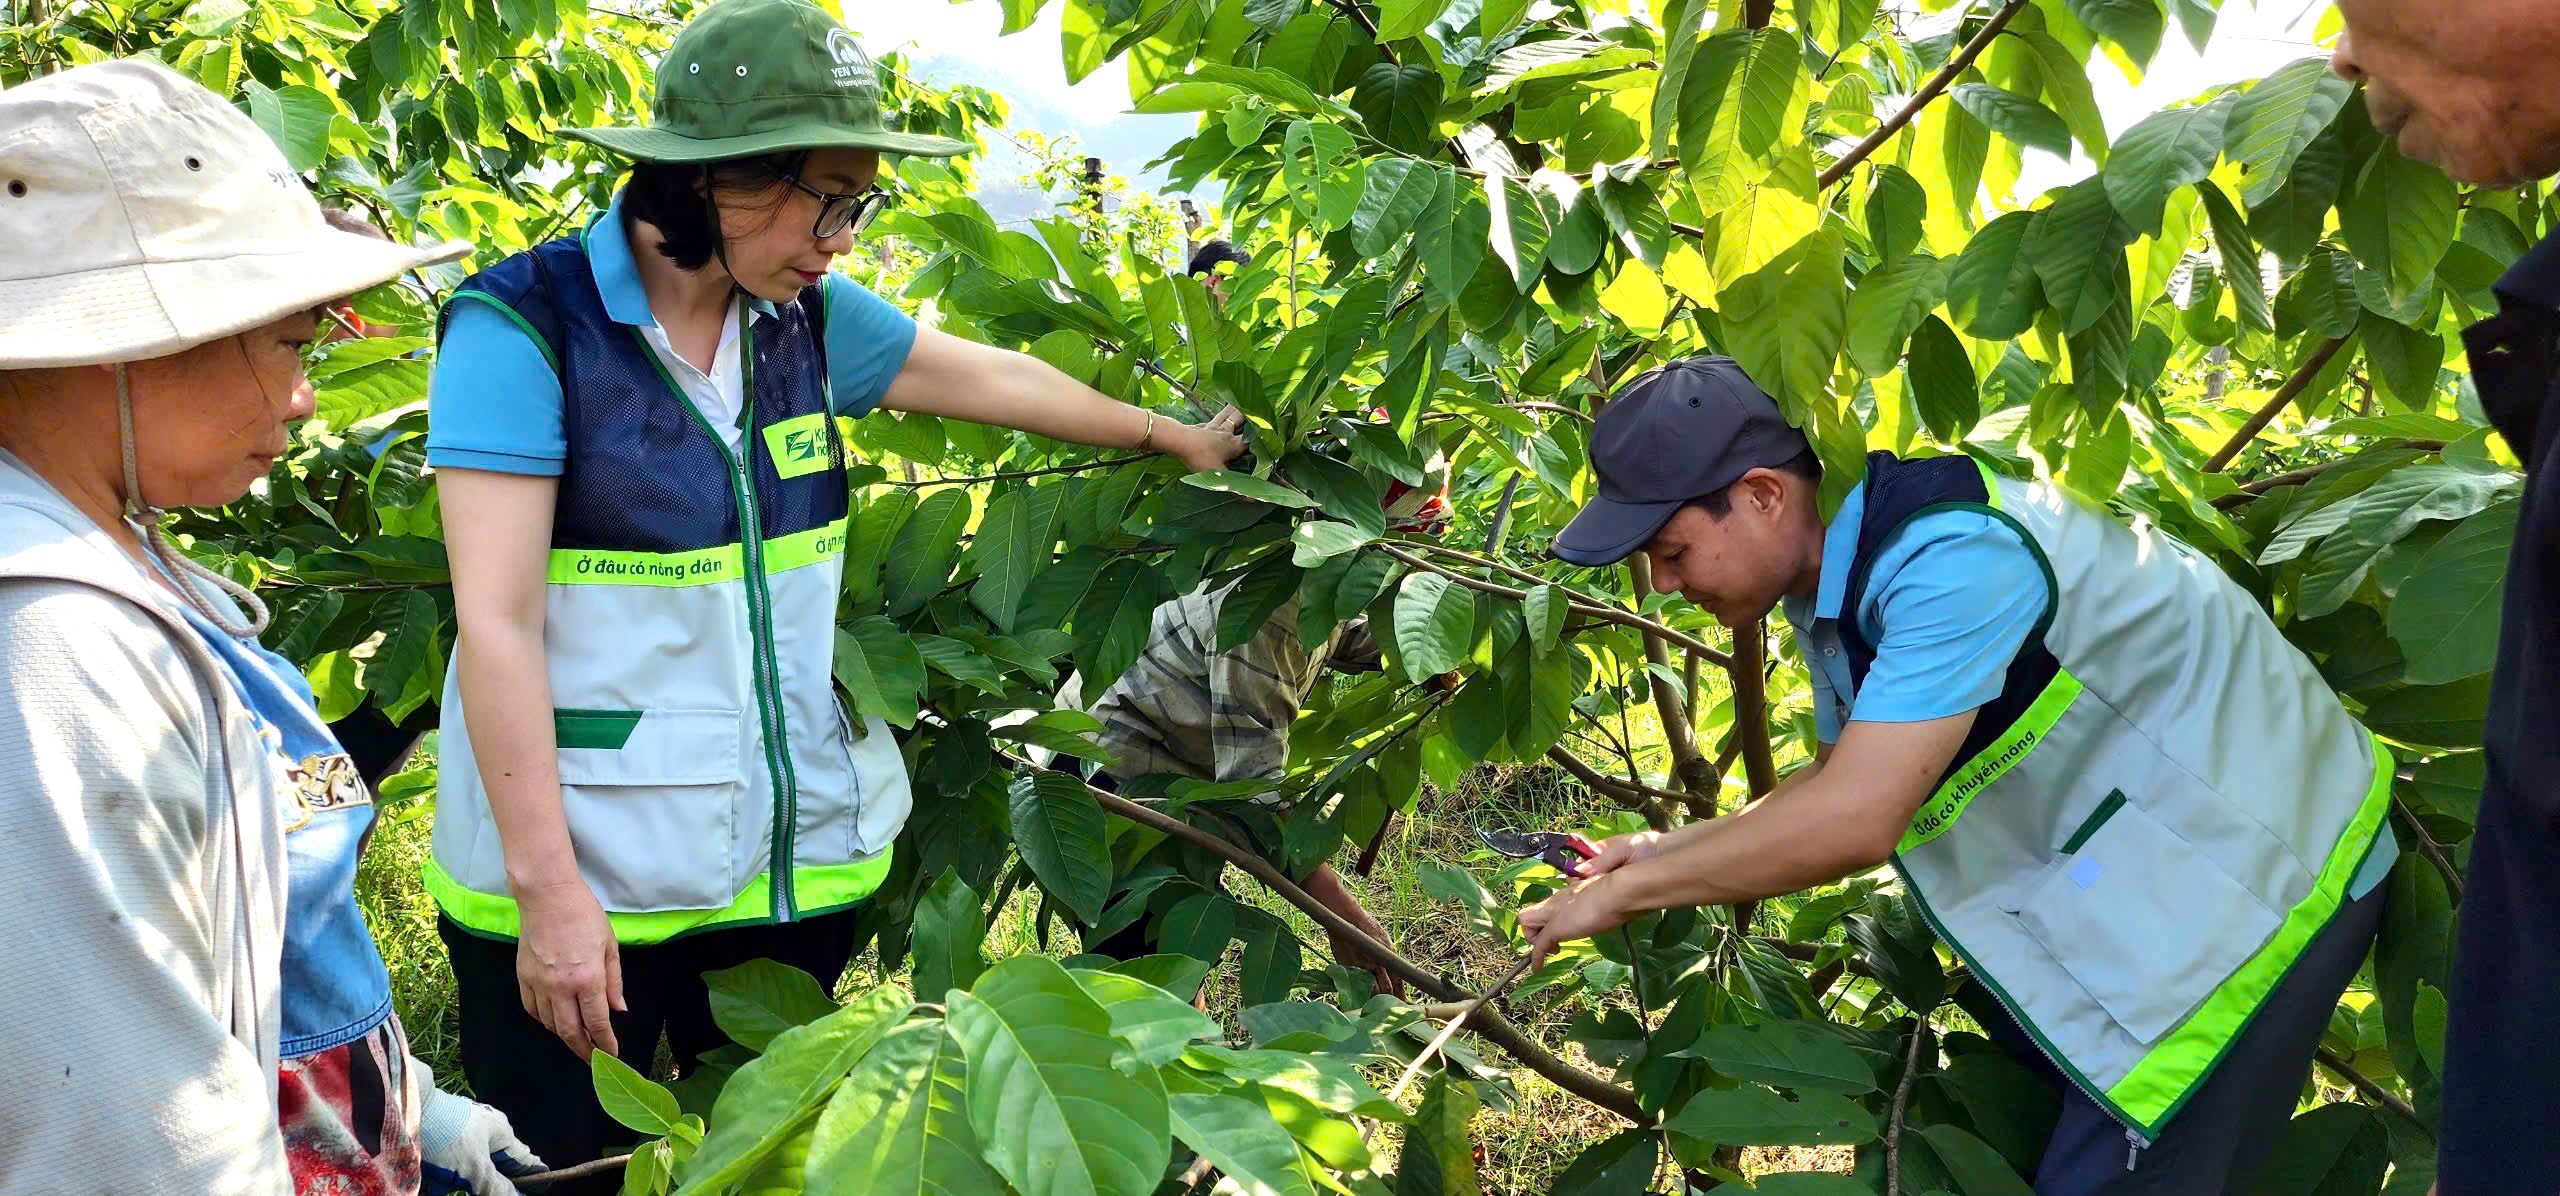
(1563, 851)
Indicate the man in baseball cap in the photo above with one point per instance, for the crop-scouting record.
(2077, 742)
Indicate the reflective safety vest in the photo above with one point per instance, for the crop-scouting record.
(709, 776)
(2165, 803)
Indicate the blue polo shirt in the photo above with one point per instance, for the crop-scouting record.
(494, 402)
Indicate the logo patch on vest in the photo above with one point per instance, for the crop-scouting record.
(800, 445)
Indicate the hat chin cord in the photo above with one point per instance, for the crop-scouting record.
(146, 518)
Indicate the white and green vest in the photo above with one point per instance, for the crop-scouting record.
(2154, 818)
(709, 775)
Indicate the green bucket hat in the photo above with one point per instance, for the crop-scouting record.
(749, 77)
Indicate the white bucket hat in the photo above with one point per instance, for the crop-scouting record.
(141, 215)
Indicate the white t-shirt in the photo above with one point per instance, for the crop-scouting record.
(721, 395)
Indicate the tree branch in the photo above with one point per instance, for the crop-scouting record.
(1606, 614)
(2372, 1091)
(2298, 477)
(2293, 386)
(1490, 1024)
(1751, 707)
(1691, 768)
(1025, 473)
(581, 1171)
(2428, 847)
(1920, 99)
(1902, 1103)
(1642, 799)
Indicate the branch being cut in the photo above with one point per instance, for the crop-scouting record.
(1920, 99)
(1606, 614)
(1642, 799)
(2285, 394)
(2428, 847)
(2372, 1091)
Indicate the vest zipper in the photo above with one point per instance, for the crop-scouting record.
(765, 670)
(2132, 1134)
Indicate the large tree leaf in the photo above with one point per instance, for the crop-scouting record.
(2077, 246)
(2276, 118)
(1890, 302)
(1786, 322)
(1400, 19)
(1942, 382)
(1052, 1115)
(771, 1098)
(2400, 217)
(631, 1098)
(1400, 104)
(2011, 1107)
(2446, 615)
(2133, 24)
(1114, 619)
(296, 118)
(1978, 1169)
(1157, 1025)
(1392, 200)
(1620, 1163)
(1519, 229)
(2241, 272)
(2334, 1150)
(2015, 117)
(897, 1125)
(919, 562)
(1681, 20)
(756, 1001)
(1991, 288)
(1249, 1146)
(2169, 149)
(879, 665)
(1063, 836)
(950, 927)
(2446, 716)
(1792, 1055)
(1012, 544)
(1437, 1159)
(1435, 620)
(1751, 1115)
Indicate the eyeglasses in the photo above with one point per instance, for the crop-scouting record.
(838, 212)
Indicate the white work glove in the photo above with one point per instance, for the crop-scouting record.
(474, 1142)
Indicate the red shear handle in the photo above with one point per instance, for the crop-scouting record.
(1581, 846)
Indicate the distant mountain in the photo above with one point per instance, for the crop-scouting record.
(1125, 142)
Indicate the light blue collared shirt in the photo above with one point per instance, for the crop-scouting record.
(494, 402)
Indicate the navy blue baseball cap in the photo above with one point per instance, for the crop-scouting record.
(1680, 431)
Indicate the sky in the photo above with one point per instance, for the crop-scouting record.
(957, 43)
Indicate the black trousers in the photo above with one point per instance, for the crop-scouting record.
(2218, 1139)
(521, 1067)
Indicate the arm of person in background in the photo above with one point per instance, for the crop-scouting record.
(497, 446)
(958, 379)
(125, 1077)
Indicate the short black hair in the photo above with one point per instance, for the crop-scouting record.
(668, 196)
(1719, 504)
(1207, 257)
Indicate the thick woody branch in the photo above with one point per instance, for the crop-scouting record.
(2303, 475)
(1920, 99)
(2285, 394)
(1642, 799)
(1751, 707)
(1606, 614)
(1489, 1023)
(1694, 772)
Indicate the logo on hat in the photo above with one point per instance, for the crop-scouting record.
(853, 67)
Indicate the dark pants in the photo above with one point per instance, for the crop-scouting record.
(520, 1066)
(2223, 1132)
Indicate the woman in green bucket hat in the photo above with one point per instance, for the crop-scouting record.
(641, 468)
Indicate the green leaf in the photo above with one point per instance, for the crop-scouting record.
(1400, 19)
(1890, 302)
(897, 1125)
(2446, 716)
(2010, 1107)
(1437, 1159)
(2400, 216)
(1400, 104)
(1435, 620)
(1766, 84)
(1755, 1116)
(296, 118)
(1241, 1137)
(1896, 206)
(1114, 620)
(2277, 117)
(2333, 1150)
(2446, 615)
(928, 544)
(1063, 836)
(2169, 149)
(408, 621)
(1199, 926)
(1790, 1055)
(1157, 1025)
(1052, 1114)
(1269, 964)
(1942, 382)
(771, 1098)
(879, 666)
(2426, 1016)
(2135, 25)
(1391, 202)
(631, 1098)
(1011, 546)
(1319, 540)
(1547, 611)
(1519, 230)
(1223, 481)
(2015, 117)
(1991, 288)
(1813, 1183)
(1786, 322)
(2076, 246)
(1681, 20)
(950, 926)
(1620, 1163)
(1248, 606)
(2320, 300)
(756, 1001)
(2240, 270)
(2405, 362)
(1978, 1169)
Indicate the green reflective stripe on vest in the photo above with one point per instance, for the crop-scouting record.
(702, 567)
(1938, 815)
(820, 889)
(2157, 1086)
(785, 553)
(1991, 488)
